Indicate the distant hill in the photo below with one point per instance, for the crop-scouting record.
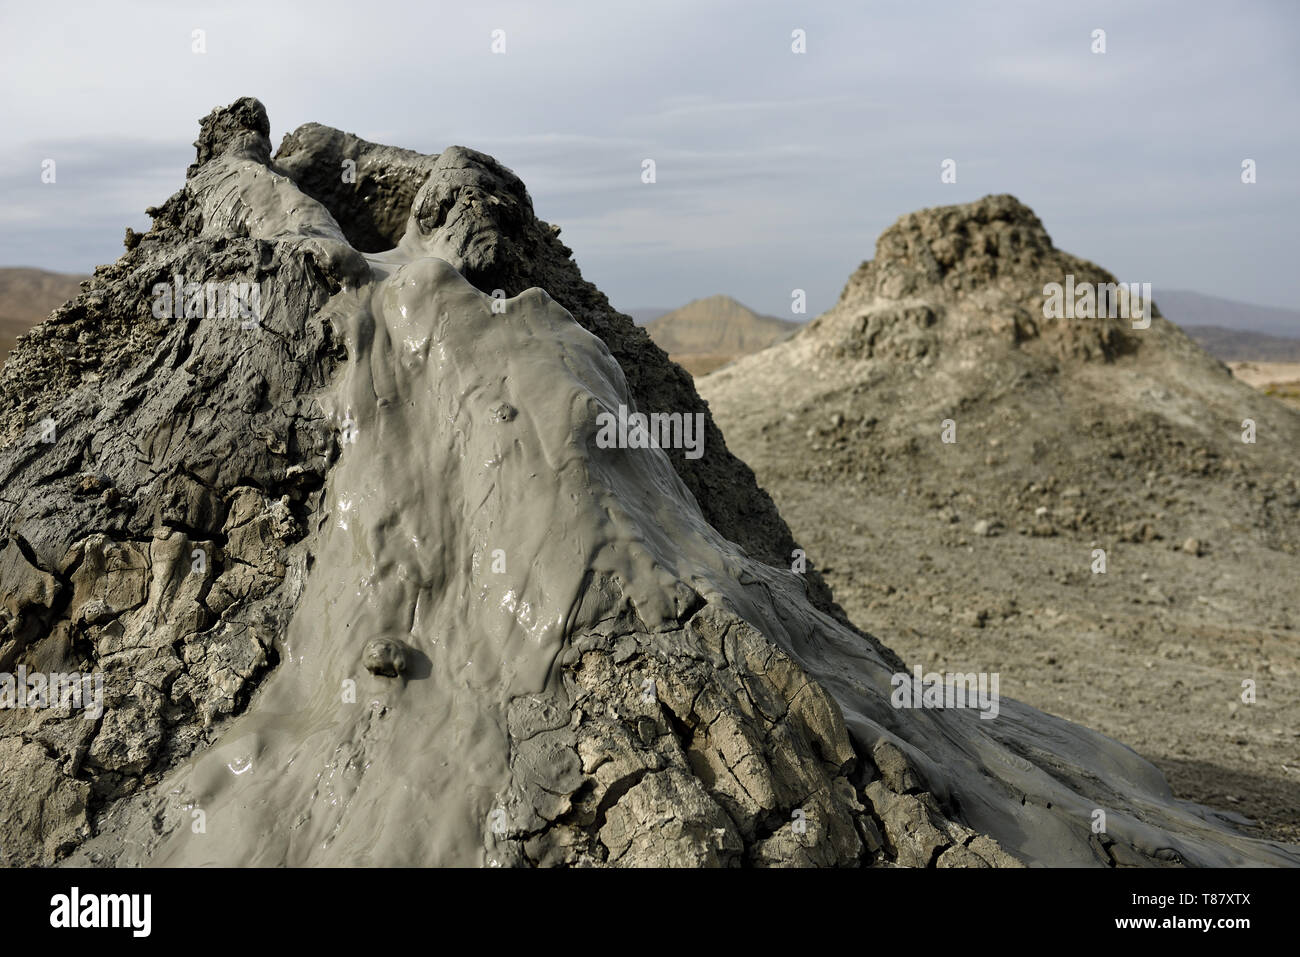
(1239, 345)
(1194, 309)
(707, 333)
(644, 316)
(28, 296)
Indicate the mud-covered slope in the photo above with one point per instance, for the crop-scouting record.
(434, 621)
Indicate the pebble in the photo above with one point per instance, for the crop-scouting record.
(383, 656)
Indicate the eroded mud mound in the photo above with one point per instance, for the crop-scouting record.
(1073, 439)
(366, 589)
(948, 322)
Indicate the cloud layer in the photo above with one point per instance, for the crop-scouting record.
(775, 170)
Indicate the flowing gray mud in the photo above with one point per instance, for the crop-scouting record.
(592, 673)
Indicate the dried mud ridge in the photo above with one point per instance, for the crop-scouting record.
(229, 519)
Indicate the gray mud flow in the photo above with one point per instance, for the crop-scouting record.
(467, 432)
(573, 665)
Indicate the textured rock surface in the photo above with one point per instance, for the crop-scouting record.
(229, 514)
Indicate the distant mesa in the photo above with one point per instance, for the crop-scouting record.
(708, 333)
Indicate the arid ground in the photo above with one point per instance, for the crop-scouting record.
(1278, 379)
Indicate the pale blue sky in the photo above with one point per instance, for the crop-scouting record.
(775, 170)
